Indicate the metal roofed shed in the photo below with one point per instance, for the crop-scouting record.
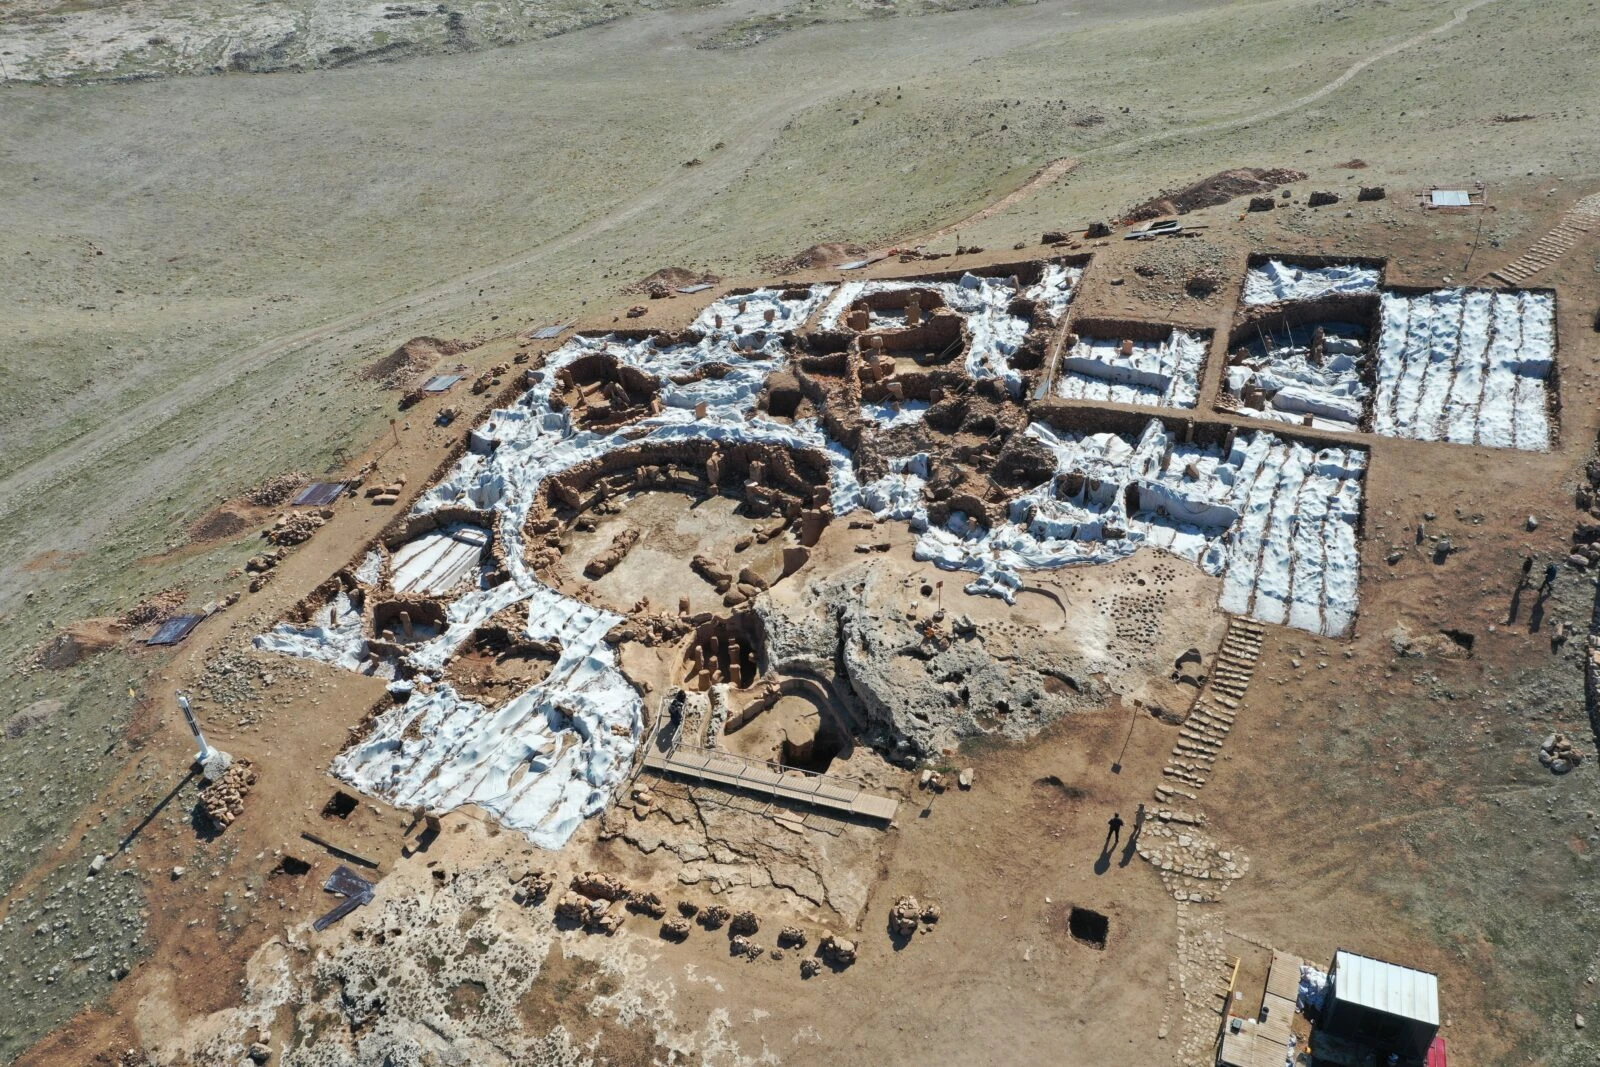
(1383, 1006)
(1451, 198)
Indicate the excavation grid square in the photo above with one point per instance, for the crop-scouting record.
(1469, 366)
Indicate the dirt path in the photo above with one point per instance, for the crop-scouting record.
(1047, 176)
(1300, 101)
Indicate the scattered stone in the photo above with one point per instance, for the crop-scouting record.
(714, 917)
(532, 888)
(836, 950)
(792, 937)
(810, 967)
(597, 886)
(964, 779)
(1559, 754)
(573, 907)
(259, 1053)
(1262, 203)
(97, 864)
(744, 922)
(904, 917)
(675, 929)
(1371, 192)
(743, 946)
(648, 904)
(1322, 199)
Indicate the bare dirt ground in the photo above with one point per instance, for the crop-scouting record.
(233, 350)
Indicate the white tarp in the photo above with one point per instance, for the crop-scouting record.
(1157, 373)
(1277, 281)
(1466, 365)
(1331, 392)
(553, 755)
(438, 561)
(985, 303)
(1276, 520)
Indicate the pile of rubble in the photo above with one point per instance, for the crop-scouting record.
(296, 527)
(155, 609)
(910, 915)
(1559, 754)
(223, 799)
(275, 492)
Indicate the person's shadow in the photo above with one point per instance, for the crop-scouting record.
(1103, 864)
(1132, 847)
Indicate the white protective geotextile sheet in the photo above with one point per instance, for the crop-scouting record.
(1275, 281)
(439, 561)
(1158, 373)
(342, 643)
(1276, 520)
(1331, 392)
(1469, 366)
(788, 315)
(553, 755)
(984, 302)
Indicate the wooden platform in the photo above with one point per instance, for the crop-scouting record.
(781, 783)
(1264, 1041)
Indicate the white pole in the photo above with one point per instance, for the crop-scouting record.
(194, 727)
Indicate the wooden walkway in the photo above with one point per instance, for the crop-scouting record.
(755, 776)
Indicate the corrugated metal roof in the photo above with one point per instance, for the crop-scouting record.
(1451, 198)
(545, 333)
(1386, 987)
(441, 382)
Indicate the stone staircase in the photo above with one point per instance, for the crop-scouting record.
(1583, 219)
(1199, 743)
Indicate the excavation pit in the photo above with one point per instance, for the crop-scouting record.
(339, 806)
(1089, 927)
(291, 867)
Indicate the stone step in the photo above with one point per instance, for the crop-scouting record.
(1227, 702)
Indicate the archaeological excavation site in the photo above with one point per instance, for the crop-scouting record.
(919, 657)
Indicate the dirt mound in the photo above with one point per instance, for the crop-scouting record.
(78, 642)
(825, 255)
(223, 522)
(1218, 189)
(671, 278)
(155, 609)
(398, 368)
